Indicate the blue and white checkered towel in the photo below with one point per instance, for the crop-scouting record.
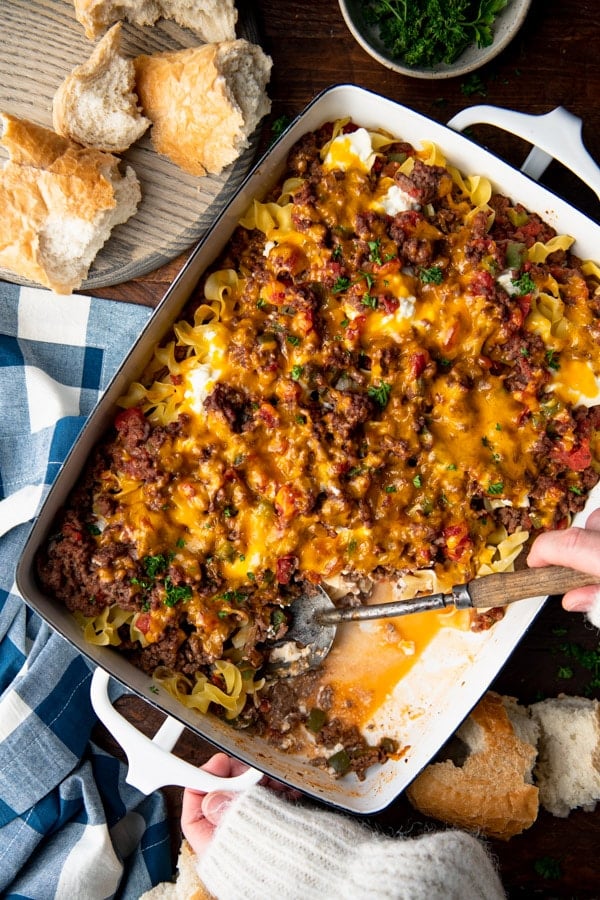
(70, 827)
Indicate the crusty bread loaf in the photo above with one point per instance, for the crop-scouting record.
(211, 20)
(96, 104)
(58, 204)
(567, 770)
(491, 792)
(204, 102)
(187, 885)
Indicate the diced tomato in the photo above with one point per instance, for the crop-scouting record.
(482, 283)
(269, 415)
(388, 304)
(73, 534)
(524, 302)
(142, 622)
(126, 416)
(354, 329)
(457, 540)
(577, 459)
(286, 566)
(417, 363)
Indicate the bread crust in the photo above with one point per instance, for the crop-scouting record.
(187, 886)
(490, 793)
(211, 20)
(187, 94)
(49, 179)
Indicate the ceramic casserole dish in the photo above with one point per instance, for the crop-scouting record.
(428, 703)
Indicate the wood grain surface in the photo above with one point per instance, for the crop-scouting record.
(41, 42)
(553, 61)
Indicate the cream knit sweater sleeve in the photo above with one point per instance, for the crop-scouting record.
(268, 847)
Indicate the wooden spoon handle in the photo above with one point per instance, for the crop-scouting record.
(506, 587)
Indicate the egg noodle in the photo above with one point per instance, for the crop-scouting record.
(391, 374)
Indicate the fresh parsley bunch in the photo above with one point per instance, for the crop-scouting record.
(426, 32)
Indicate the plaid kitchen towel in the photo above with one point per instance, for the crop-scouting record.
(70, 827)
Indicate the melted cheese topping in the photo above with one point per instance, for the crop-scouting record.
(359, 388)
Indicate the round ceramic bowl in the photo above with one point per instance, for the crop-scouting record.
(505, 27)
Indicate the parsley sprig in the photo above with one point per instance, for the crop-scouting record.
(426, 32)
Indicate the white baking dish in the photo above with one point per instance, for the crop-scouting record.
(431, 701)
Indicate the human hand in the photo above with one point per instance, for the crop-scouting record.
(577, 548)
(201, 813)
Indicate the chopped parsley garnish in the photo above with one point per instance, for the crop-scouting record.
(368, 278)
(356, 470)
(433, 31)
(155, 565)
(552, 360)
(156, 568)
(93, 529)
(278, 618)
(375, 251)
(279, 125)
(432, 275)
(176, 593)
(296, 373)
(234, 596)
(342, 284)
(496, 487)
(588, 659)
(549, 868)
(368, 300)
(473, 84)
(380, 393)
(565, 672)
(294, 340)
(417, 481)
(524, 285)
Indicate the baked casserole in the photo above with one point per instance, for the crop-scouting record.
(388, 380)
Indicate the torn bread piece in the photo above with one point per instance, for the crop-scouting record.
(58, 204)
(567, 770)
(211, 20)
(491, 793)
(96, 104)
(187, 885)
(204, 102)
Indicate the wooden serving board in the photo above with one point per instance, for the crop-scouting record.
(40, 43)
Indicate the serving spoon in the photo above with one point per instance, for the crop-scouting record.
(315, 619)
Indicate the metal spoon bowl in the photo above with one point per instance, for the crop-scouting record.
(315, 618)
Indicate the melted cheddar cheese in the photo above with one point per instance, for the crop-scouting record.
(391, 370)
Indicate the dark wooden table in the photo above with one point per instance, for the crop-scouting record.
(554, 61)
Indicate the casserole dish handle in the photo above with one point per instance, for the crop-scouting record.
(151, 765)
(554, 135)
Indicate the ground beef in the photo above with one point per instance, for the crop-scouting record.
(424, 182)
(232, 404)
(162, 653)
